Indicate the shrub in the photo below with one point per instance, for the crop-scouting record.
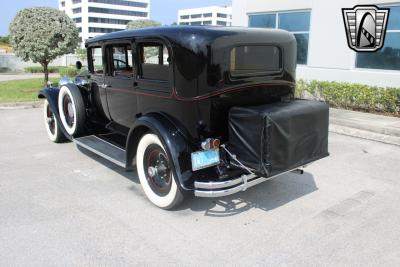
(351, 96)
(4, 69)
(68, 71)
(39, 69)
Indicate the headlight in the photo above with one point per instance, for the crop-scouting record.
(80, 81)
(64, 80)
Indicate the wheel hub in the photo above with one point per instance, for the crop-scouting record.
(152, 171)
(158, 171)
(70, 110)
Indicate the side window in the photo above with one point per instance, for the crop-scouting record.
(122, 60)
(154, 61)
(96, 65)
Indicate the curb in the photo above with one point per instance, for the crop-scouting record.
(338, 126)
(364, 134)
(367, 126)
(21, 105)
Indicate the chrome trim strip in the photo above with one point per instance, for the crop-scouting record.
(121, 164)
(230, 191)
(223, 184)
(207, 189)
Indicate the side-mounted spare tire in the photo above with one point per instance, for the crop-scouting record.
(71, 107)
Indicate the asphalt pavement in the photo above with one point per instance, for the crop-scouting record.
(61, 206)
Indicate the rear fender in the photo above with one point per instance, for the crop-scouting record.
(174, 140)
(51, 94)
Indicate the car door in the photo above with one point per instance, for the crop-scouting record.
(119, 83)
(153, 79)
(97, 69)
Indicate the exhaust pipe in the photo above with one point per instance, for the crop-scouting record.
(298, 171)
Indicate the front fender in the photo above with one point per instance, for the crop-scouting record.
(51, 94)
(178, 146)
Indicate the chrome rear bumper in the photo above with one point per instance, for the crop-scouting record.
(229, 187)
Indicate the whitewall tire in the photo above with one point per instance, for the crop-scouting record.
(51, 124)
(155, 173)
(71, 109)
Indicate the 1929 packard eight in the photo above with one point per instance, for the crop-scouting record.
(208, 111)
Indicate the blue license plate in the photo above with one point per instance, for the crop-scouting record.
(204, 159)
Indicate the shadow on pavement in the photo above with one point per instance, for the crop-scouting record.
(130, 175)
(265, 196)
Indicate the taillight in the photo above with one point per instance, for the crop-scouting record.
(216, 143)
(210, 143)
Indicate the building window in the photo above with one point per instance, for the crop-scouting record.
(120, 3)
(63, 4)
(117, 12)
(220, 15)
(108, 21)
(262, 21)
(297, 23)
(79, 29)
(221, 23)
(76, 1)
(185, 17)
(195, 23)
(207, 22)
(195, 16)
(184, 23)
(102, 30)
(77, 10)
(207, 15)
(388, 58)
(77, 20)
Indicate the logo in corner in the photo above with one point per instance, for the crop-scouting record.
(365, 27)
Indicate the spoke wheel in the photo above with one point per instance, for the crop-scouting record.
(158, 168)
(72, 110)
(68, 110)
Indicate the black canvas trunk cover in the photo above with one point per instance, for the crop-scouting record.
(279, 137)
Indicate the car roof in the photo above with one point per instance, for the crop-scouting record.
(180, 34)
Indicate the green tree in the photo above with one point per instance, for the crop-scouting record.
(5, 39)
(42, 34)
(142, 23)
(81, 54)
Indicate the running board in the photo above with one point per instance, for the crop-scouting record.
(103, 148)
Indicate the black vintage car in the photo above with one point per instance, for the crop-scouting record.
(208, 111)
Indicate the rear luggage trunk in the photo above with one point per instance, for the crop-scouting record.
(279, 137)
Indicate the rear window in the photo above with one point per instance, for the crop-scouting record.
(254, 60)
